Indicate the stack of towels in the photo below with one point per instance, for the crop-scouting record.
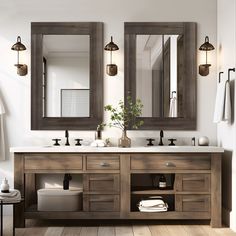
(153, 204)
(13, 196)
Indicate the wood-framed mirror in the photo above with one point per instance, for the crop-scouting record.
(66, 75)
(160, 69)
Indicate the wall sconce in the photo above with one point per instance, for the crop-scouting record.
(21, 68)
(111, 69)
(206, 46)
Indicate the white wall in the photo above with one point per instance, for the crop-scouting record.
(15, 20)
(226, 37)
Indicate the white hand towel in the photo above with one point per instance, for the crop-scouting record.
(227, 108)
(222, 103)
(173, 107)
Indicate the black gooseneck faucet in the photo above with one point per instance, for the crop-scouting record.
(67, 138)
(161, 136)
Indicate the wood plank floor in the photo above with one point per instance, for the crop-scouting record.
(118, 230)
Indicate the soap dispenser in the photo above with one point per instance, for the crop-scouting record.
(5, 186)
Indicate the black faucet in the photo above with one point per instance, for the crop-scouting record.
(67, 138)
(161, 136)
(66, 181)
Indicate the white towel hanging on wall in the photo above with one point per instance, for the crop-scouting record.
(2, 135)
(222, 103)
(173, 107)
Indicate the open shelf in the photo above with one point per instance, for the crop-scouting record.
(144, 186)
(150, 190)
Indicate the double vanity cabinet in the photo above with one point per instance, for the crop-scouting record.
(116, 179)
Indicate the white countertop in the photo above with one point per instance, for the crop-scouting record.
(88, 149)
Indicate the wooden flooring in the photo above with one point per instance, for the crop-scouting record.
(118, 230)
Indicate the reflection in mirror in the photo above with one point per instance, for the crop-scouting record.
(159, 75)
(66, 87)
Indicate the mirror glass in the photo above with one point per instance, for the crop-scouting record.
(159, 63)
(66, 79)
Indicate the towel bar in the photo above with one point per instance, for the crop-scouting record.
(229, 70)
(220, 73)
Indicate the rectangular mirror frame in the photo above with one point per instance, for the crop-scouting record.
(95, 31)
(189, 30)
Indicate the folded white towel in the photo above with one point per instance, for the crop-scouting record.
(13, 196)
(152, 203)
(173, 107)
(153, 209)
(222, 103)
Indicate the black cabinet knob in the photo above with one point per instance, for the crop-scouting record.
(150, 140)
(172, 140)
(56, 141)
(78, 141)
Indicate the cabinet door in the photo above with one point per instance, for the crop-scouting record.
(193, 183)
(101, 203)
(103, 183)
(192, 203)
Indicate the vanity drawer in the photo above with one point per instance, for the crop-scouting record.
(193, 182)
(171, 162)
(53, 162)
(109, 183)
(193, 203)
(101, 203)
(101, 162)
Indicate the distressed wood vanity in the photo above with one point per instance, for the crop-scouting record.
(108, 191)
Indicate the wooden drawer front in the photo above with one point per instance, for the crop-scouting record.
(103, 162)
(109, 183)
(101, 203)
(193, 182)
(53, 162)
(193, 203)
(170, 162)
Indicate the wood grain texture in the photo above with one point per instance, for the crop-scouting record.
(71, 231)
(106, 231)
(159, 230)
(107, 193)
(95, 31)
(192, 203)
(89, 231)
(109, 183)
(216, 193)
(125, 185)
(192, 183)
(53, 161)
(170, 161)
(141, 231)
(103, 162)
(101, 203)
(123, 231)
(54, 231)
(189, 30)
(18, 209)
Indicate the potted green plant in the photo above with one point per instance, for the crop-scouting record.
(124, 116)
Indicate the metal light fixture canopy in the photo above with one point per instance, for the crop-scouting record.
(206, 46)
(22, 69)
(111, 69)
